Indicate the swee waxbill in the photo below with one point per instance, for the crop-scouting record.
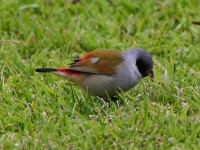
(107, 72)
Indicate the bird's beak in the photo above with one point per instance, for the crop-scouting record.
(150, 74)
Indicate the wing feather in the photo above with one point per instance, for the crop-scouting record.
(98, 62)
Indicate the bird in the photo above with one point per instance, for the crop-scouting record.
(106, 73)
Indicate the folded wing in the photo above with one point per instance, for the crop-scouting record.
(98, 62)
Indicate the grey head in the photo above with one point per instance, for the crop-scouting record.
(143, 61)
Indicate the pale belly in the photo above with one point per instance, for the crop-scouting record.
(103, 85)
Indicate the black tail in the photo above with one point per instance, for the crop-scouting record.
(196, 23)
(45, 69)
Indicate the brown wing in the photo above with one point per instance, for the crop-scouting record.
(98, 62)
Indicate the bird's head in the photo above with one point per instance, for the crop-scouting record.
(144, 61)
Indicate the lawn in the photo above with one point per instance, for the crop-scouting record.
(43, 111)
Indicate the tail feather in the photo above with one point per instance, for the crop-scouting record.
(45, 69)
(196, 23)
(62, 72)
(58, 71)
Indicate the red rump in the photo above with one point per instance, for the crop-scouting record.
(70, 72)
(86, 56)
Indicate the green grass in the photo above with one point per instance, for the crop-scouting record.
(43, 111)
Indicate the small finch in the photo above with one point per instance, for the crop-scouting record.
(107, 72)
